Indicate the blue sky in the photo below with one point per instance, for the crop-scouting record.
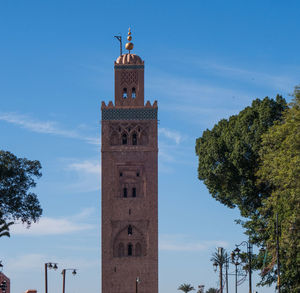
(204, 61)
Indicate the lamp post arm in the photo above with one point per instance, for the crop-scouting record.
(242, 243)
(64, 277)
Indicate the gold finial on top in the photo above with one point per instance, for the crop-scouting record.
(129, 45)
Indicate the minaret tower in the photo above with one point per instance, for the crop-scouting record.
(129, 183)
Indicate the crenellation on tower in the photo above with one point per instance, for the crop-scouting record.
(111, 105)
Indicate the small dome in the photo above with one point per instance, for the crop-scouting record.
(129, 59)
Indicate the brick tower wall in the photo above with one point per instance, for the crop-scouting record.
(129, 189)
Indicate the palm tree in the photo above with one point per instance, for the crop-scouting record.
(219, 258)
(186, 288)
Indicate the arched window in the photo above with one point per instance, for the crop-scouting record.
(133, 93)
(129, 249)
(129, 230)
(133, 192)
(121, 249)
(124, 138)
(124, 192)
(124, 93)
(134, 139)
(138, 249)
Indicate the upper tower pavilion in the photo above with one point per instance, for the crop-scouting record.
(129, 183)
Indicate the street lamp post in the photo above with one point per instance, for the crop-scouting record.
(137, 280)
(49, 265)
(249, 253)
(235, 257)
(64, 277)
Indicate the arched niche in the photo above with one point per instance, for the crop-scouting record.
(130, 234)
(144, 138)
(114, 138)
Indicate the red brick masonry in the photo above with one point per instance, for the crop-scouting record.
(129, 184)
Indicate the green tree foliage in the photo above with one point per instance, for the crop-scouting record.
(186, 288)
(4, 228)
(252, 161)
(16, 201)
(280, 170)
(228, 155)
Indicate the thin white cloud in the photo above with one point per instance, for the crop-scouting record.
(35, 261)
(87, 166)
(165, 155)
(84, 214)
(46, 127)
(281, 79)
(170, 134)
(86, 174)
(50, 226)
(191, 91)
(184, 243)
(276, 81)
(26, 262)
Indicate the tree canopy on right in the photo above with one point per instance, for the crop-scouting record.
(252, 161)
(228, 155)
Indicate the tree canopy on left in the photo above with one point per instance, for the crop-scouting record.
(17, 177)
